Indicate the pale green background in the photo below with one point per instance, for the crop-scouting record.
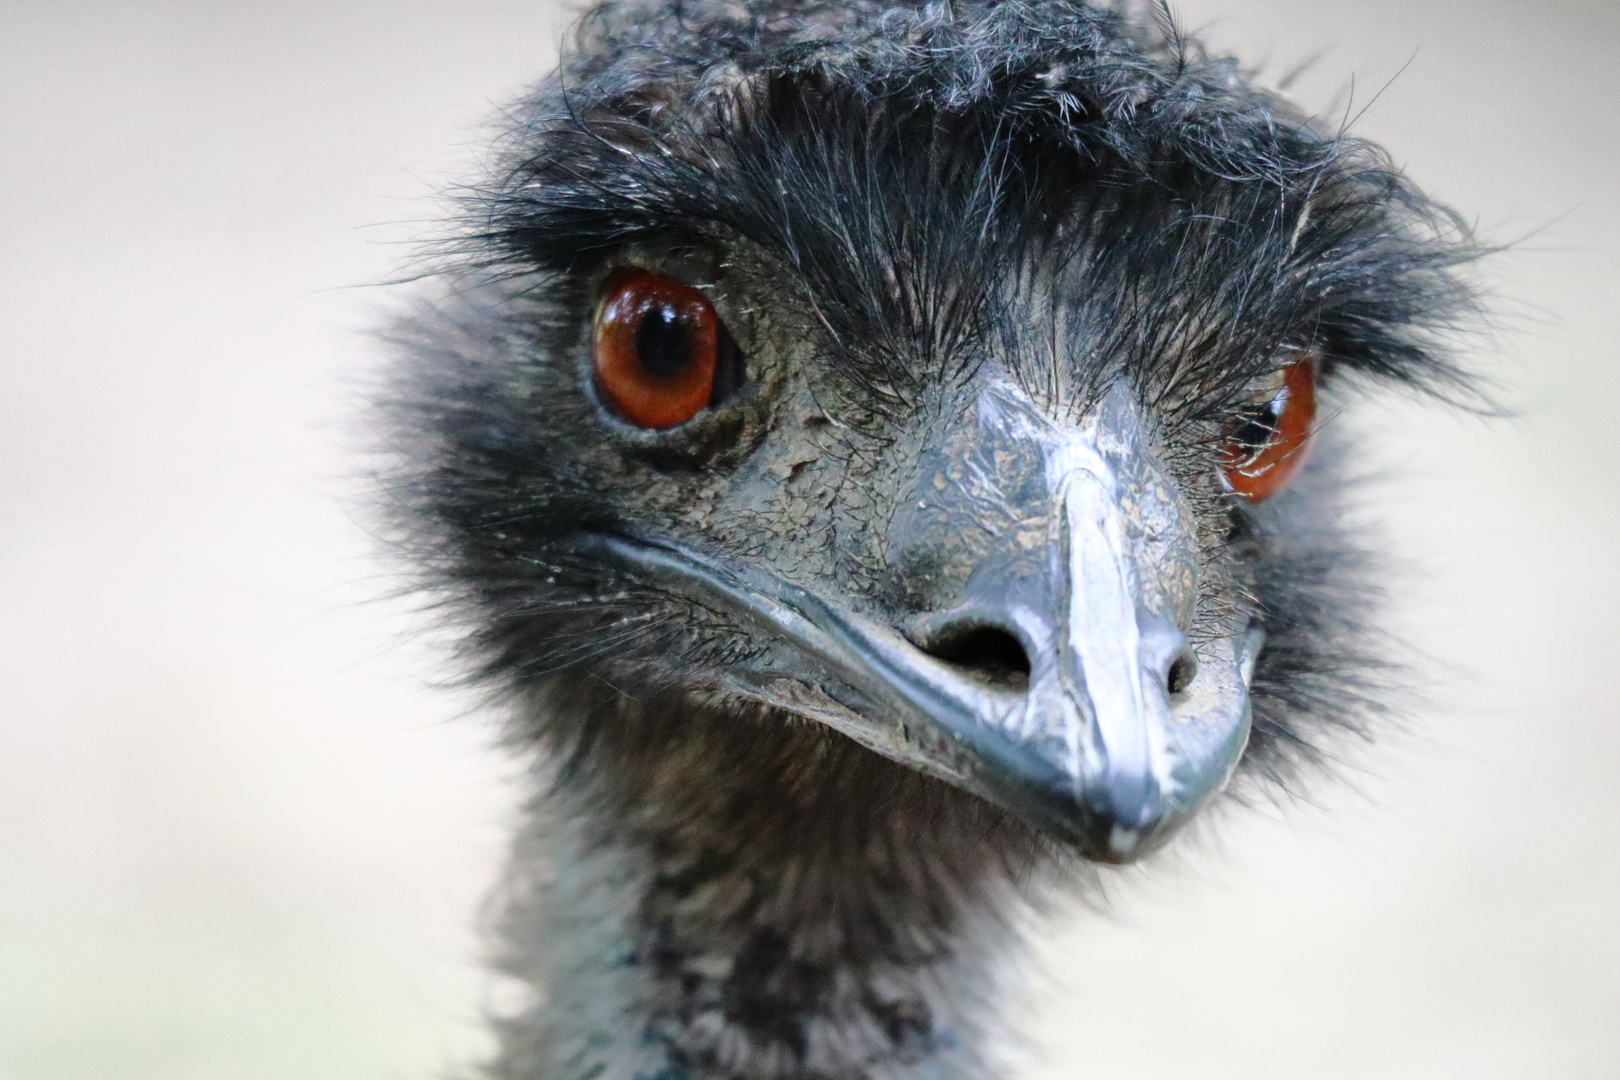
(241, 839)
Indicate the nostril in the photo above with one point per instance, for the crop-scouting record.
(1183, 670)
(986, 652)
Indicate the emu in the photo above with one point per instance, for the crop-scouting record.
(877, 452)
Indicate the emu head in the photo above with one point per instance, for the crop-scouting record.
(943, 375)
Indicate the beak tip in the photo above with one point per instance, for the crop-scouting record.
(1123, 843)
(1109, 821)
(1128, 830)
(1119, 842)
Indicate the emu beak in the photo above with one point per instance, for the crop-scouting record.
(1072, 548)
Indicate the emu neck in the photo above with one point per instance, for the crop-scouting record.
(709, 896)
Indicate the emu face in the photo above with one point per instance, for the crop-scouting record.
(940, 393)
(1006, 598)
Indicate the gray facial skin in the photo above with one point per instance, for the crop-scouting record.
(1002, 586)
(1066, 541)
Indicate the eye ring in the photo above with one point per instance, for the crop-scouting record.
(1267, 447)
(660, 353)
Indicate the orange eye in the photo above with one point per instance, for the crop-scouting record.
(1267, 447)
(661, 354)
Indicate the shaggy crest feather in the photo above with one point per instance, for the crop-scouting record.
(883, 201)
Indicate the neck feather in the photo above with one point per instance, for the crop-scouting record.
(704, 895)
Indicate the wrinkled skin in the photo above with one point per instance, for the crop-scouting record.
(842, 557)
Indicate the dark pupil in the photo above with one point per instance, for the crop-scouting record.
(662, 343)
(1260, 427)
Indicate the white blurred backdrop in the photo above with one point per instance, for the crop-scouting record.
(243, 838)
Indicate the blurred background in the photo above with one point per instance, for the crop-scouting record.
(242, 837)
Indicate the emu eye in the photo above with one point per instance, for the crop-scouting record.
(1267, 446)
(661, 353)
